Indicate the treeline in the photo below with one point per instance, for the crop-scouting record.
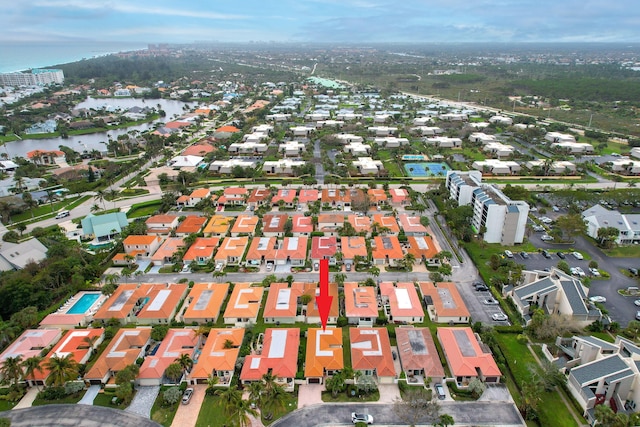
(582, 88)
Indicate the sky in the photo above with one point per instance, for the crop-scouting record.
(357, 21)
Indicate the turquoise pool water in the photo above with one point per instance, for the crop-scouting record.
(83, 304)
(427, 169)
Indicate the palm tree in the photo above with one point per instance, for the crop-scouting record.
(256, 389)
(184, 361)
(11, 369)
(30, 366)
(229, 399)
(61, 369)
(100, 195)
(212, 382)
(173, 372)
(408, 260)
(240, 414)
(273, 400)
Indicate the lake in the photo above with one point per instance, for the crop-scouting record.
(95, 140)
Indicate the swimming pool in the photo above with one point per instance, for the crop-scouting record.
(84, 303)
(427, 169)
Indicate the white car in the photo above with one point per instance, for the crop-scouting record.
(499, 317)
(598, 298)
(594, 271)
(546, 237)
(490, 301)
(637, 302)
(580, 272)
(361, 418)
(546, 220)
(508, 254)
(577, 255)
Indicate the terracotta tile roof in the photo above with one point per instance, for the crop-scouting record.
(323, 247)
(125, 348)
(464, 355)
(285, 194)
(168, 248)
(417, 351)
(411, 224)
(262, 247)
(31, 342)
(274, 223)
(399, 195)
(293, 248)
(200, 193)
(282, 300)
(191, 224)
(386, 246)
(377, 195)
(387, 221)
(244, 302)
(301, 224)
(203, 247)
(360, 301)
(403, 299)
(120, 304)
(215, 357)
(231, 247)
(446, 299)
(145, 240)
(176, 343)
(228, 129)
(245, 224)
(163, 300)
(308, 195)
(204, 301)
(218, 224)
(324, 351)
(258, 195)
(235, 191)
(422, 247)
(335, 196)
(77, 343)
(279, 355)
(360, 223)
(371, 349)
(352, 246)
(35, 153)
(312, 307)
(197, 150)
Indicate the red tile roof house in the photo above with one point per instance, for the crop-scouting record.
(313, 316)
(301, 225)
(444, 303)
(176, 343)
(292, 250)
(411, 225)
(245, 225)
(161, 225)
(351, 247)
(361, 224)
(261, 250)
(399, 197)
(278, 355)
(259, 197)
(324, 354)
(386, 222)
(217, 358)
(324, 248)
(371, 354)
(336, 198)
(273, 225)
(466, 358)
(360, 304)
(418, 355)
(201, 251)
(401, 302)
(204, 302)
(233, 196)
(243, 305)
(283, 302)
(377, 196)
(330, 223)
(141, 246)
(167, 251)
(195, 197)
(45, 157)
(386, 250)
(31, 343)
(286, 195)
(198, 149)
(424, 249)
(160, 302)
(231, 250)
(191, 224)
(308, 196)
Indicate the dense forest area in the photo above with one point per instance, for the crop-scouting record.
(581, 88)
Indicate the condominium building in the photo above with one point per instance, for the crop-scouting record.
(39, 77)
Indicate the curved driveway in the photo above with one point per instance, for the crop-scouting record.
(75, 416)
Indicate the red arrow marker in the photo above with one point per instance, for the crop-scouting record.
(324, 299)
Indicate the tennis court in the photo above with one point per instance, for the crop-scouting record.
(426, 169)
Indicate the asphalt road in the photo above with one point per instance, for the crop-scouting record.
(74, 416)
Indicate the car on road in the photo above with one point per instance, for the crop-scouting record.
(638, 315)
(490, 301)
(440, 392)
(62, 214)
(594, 271)
(598, 298)
(633, 271)
(637, 302)
(499, 317)
(546, 254)
(577, 255)
(538, 228)
(186, 397)
(546, 238)
(561, 255)
(361, 418)
(219, 267)
(508, 254)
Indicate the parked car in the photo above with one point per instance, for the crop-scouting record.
(598, 298)
(186, 397)
(577, 255)
(499, 317)
(316, 266)
(546, 238)
(546, 254)
(440, 392)
(633, 271)
(637, 315)
(594, 271)
(524, 255)
(480, 287)
(508, 254)
(637, 302)
(361, 418)
(490, 301)
(347, 266)
(561, 255)
(269, 266)
(538, 228)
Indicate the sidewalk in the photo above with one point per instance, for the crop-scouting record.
(28, 398)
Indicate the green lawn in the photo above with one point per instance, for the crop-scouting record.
(163, 414)
(104, 399)
(211, 415)
(343, 397)
(48, 209)
(67, 400)
(144, 209)
(623, 251)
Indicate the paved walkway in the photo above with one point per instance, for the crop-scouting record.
(309, 394)
(90, 395)
(28, 398)
(388, 393)
(187, 415)
(143, 401)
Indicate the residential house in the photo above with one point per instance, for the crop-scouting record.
(244, 304)
(225, 167)
(367, 166)
(176, 343)
(288, 197)
(284, 303)
(231, 250)
(555, 167)
(204, 302)
(218, 357)
(386, 224)
(498, 149)
(201, 251)
(401, 302)
(301, 225)
(218, 226)
(194, 198)
(361, 224)
(351, 247)
(336, 198)
(324, 247)
(159, 302)
(424, 249)
(357, 149)
(126, 347)
(324, 354)
(598, 217)
(188, 162)
(292, 148)
(418, 355)
(278, 356)
(444, 142)
(161, 225)
(377, 196)
(360, 304)
(273, 224)
(411, 225)
(466, 357)
(347, 138)
(199, 149)
(259, 197)
(261, 250)
(16, 256)
(497, 167)
(308, 196)
(235, 196)
(192, 224)
(282, 166)
(141, 246)
(383, 130)
(329, 223)
(245, 225)
(483, 138)
(501, 120)
(103, 228)
(399, 197)
(313, 315)
(292, 251)
(371, 354)
(31, 343)
(391, 142)
(166, 253)
(386, 250)
(45, 157)
(555, 292)
(444, 303)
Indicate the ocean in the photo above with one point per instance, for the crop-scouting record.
(25, 55)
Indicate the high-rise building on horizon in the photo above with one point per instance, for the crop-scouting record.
(37, 77)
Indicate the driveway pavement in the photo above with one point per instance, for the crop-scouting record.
(90, 395)
(309, 394)
(187, 415)
(143, 401)
(75, 416)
